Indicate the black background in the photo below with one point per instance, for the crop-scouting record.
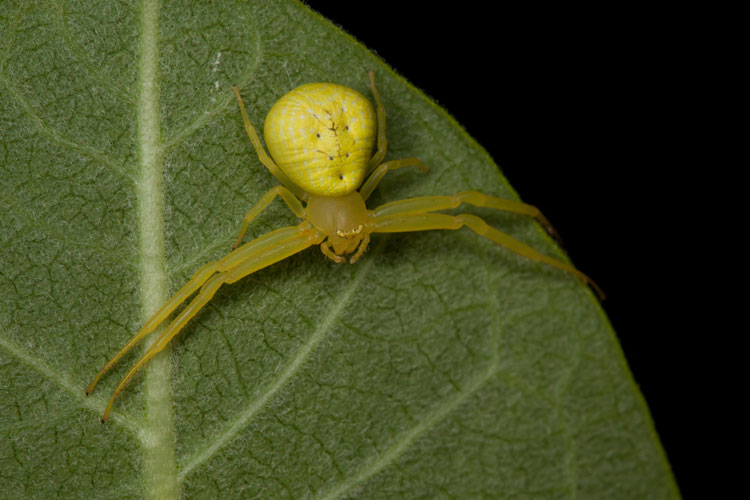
(587, 101)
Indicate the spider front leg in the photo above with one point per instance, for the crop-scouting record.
(424, 204)
(249, 258)
(198, 279)
(399, 223)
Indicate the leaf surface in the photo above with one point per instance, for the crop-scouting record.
(438, 366)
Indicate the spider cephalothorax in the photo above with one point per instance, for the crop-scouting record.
(345, 221)
(321, 137)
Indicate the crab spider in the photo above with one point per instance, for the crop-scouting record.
(320, 137)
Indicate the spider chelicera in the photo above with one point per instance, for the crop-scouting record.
(321, 136)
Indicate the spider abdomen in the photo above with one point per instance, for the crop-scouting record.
(321, 135)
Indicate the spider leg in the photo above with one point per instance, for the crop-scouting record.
(199, 278)
(262, 155)
(426, 221)
(377, 158)
(291, 201)
(412, 206)
(377, 175)
(252, 257)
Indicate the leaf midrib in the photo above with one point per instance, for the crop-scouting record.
(157, 438)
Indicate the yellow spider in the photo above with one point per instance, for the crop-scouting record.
(320, 136)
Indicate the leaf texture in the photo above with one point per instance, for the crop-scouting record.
(439, 366)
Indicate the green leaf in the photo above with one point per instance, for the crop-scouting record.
(440, 365)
